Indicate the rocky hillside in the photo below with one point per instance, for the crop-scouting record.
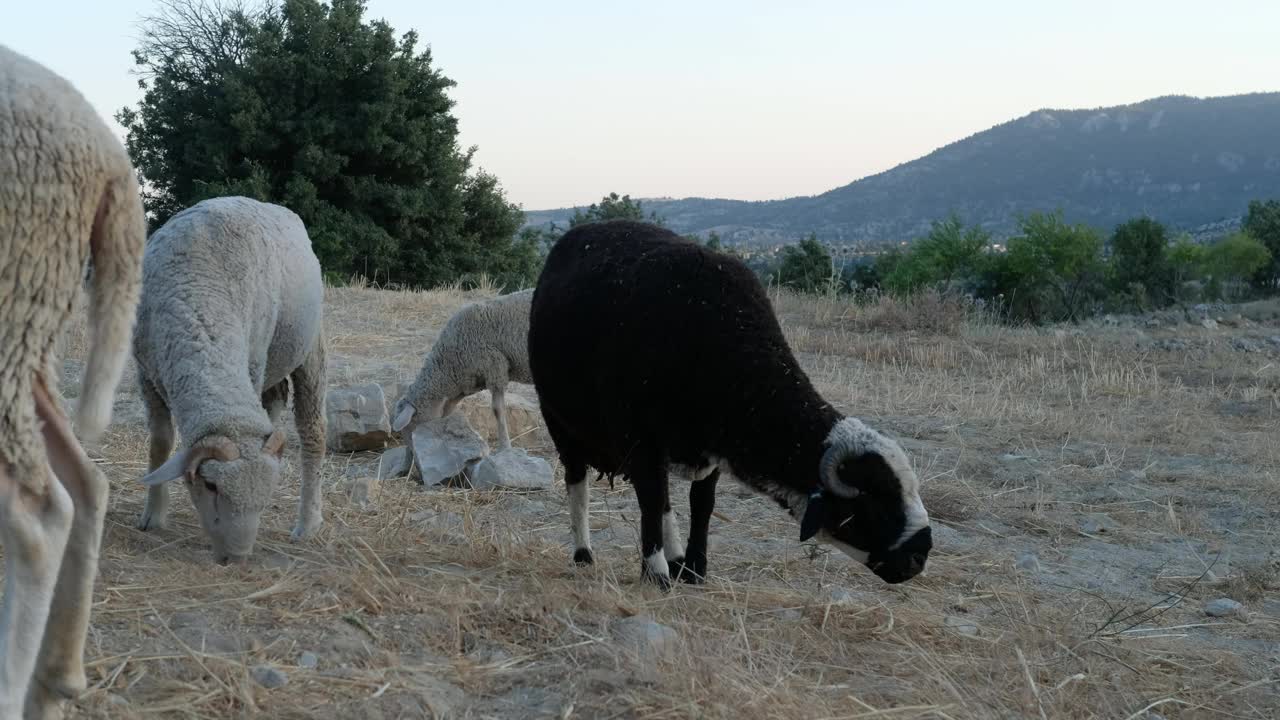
(1188, 161)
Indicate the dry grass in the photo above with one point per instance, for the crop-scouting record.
(464, 604)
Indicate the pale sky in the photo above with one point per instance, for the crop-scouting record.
(569, 100)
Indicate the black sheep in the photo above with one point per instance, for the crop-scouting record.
(648, 351)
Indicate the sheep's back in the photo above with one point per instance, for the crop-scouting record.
(639, 336)
(231, 289)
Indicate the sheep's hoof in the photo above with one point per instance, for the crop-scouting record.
(305, 530)
(689, 571)
(582, 556)
(662, 581)
(151, 521)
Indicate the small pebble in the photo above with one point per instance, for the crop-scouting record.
(308, 660)
(1223, 607)
(841, 596)
(1028, 562)
(961, 625)
(268, 677)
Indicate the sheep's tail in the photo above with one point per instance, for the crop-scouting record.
(116, 245)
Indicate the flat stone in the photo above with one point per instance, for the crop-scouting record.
(443, 447)
(523, 415)
(512, 468)
(395, 463)
(308, 660)
(357, 419)
(645, 637)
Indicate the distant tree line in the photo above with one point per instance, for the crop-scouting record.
(1052, 270)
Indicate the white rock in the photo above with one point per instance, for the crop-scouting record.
(512, 468)
(443, 447)
(1209, 323)
(1223, 607)
(357, 419)
(1028, 562)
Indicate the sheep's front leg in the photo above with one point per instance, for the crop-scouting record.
(308, 409)
(160, 423)
(702, 500)
(59, 670)
(651, 490)
(500, 415)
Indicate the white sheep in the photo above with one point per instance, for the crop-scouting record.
(483, 346)
(231, 312)
(68, 193)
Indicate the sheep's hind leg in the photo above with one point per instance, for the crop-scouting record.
(36, 514)
(160, 423)
(308, 410)
(59, 670)
(575, 482)
(702, 500)
(651, 491)
(500, 416)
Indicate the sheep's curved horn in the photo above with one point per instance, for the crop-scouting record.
(274, 444)
(188, 461)
(403, 417)
(829, 468)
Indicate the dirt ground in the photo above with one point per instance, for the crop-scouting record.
(1091, 489)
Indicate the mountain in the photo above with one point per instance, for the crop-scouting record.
(1189, 162)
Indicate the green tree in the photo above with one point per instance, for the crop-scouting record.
(337, 118)
(1262, 222)
(1139, 265)
(713, 241)
(949, 253)
(1186, 260)
(1234, 259)
(613, 207)
(805, 266)
(1051, 271)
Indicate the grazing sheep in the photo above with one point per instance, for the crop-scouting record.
(68, 193)
(484, 345)
(648, 351)
(230, 316)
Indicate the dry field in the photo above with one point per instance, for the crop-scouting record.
(1142, 479)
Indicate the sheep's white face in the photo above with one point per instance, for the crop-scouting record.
(230, 498)
(230, 484)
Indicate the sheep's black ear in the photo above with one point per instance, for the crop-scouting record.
(869, 472)
(812, 521)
